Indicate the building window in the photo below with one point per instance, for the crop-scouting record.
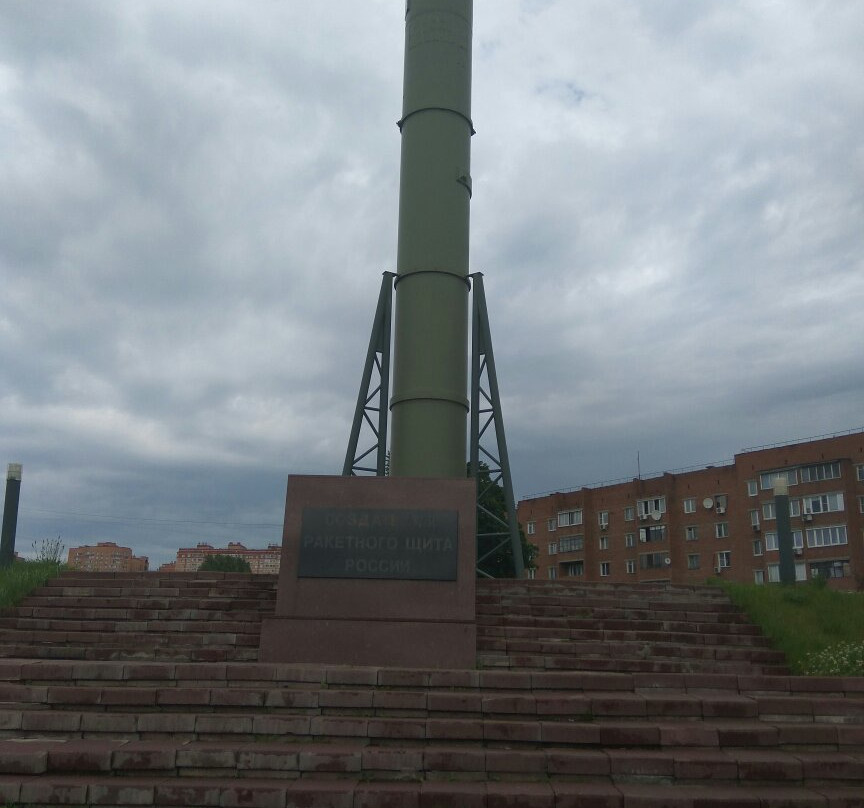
(603, 519)
(754, 519)
(575, 569)
(721, 501)
(553, 573)
(768, 511)
(766, 480)
(757, 547)
(693, 561)
(724, 559)
(691, 532)
(604, 543)
(604, 569)
(653, 533)
(647, 507)
(629, 513)
(774, 573)
(826, 536)
(859, 473)
(797, 540)
(721, 530)
(550, 525)
(531, 528)
(630, 565)
(652, 561)
(794, 507)
(630, 538)
(758, 576)
(823, 503)
(553, 547)
(690, 505)
(830, 569)
(821, 471)
(752, 488)
(860, 504)
(571, 544)
(570, 518)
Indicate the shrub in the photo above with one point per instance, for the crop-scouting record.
(224, 563)
(49, 550)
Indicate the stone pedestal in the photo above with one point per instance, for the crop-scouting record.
(376, 571)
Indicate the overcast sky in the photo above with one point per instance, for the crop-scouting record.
(197, 200)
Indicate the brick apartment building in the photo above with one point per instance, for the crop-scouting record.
(719, 520)
(106, 556)
(260, 561)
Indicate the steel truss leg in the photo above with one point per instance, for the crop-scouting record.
(486, 407)
(492, 471)
(372, 404)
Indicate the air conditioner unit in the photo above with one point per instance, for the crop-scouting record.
(807, 517)
(799, 551)
(643, 517)
(604, 526)
(721, 509)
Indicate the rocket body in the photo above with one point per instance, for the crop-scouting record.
(429, 403)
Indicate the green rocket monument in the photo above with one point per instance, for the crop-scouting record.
(429, 403)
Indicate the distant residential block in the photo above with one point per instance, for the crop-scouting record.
(684, 527)
(106, 556)
(260, 561)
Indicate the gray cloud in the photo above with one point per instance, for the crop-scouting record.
(199, 200)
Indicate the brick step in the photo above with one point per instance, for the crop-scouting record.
(569, 585)
(112, 613)
(185, 601)
(95, 594)
(372, 761)
(189, 653)
(350, 791)
(140, 638)
(580, 605)
(519, 633)
(644, 600)
(570, 622)
(428, 703)
(633, 650)
(612, 613)
(287, 675)
(610, 731)
(77, 626)
(562, 662)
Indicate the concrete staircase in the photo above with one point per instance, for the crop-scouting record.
(585, 696)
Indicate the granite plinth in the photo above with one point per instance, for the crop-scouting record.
(378, 537)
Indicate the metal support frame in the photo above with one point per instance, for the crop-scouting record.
(372, 409)
(486, 407)
(372, 404)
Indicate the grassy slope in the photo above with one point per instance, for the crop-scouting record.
(802, 619)
(22, 577)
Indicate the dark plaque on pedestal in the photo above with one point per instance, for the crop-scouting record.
(397, 543)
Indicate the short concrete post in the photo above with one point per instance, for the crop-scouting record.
(10, 514)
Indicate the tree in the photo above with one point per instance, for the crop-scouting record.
(493, 529)
(219, 562)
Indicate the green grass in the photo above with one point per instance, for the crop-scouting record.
(23, 577)
(821, 630)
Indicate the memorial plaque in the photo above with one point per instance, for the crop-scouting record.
(389, 543)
